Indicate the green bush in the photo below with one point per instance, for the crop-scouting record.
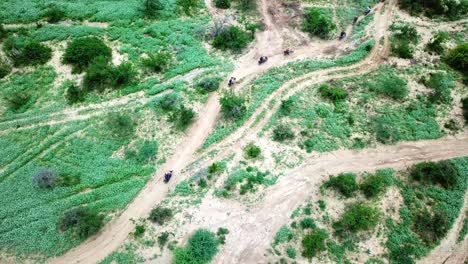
(314, 243)
(45, 178)
(252, 151)
(403, 39)
(231, 38)
(183, 117)
(291, 252)
(202, 246)
(157, 62)
(385, 131)
(376, 184)
(143, 152)
(151, 8)
(5, 67)
(387, 82)
(160, 215)
(308, 223)
(54, 14)
(357, 217)
(431, 227)
(441, 85)
(283, 235)
(450, 9)
(81, 52)
(170, 102)
(74, 93)
(465, 109)
(402, 49)
(223, 4)
(216, 167)
(436, 44)
(317, 23)
(99, 75)
(442, 172)
(162, 239)
(232, 106)
(3, 32)
(119, 125)
(286, 106)
(18, 101)
(221, 233)
(345, 183)
(283, 132)
(123, 74)
(82, 222)
(457, 58)
(24, 52)
(187, 6)
(332, 93)
(209, 84)
(139, 231)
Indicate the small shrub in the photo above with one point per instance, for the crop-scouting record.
(54, 14)
(376, 184)
(232, 106)
(222, 232)
(436, 44)
(222, 4)
(345, 183)
(357, 217)
(283, 132)
(45, 178)
(388, 83)
(3, 32)
(308, 223)
(457, 58)
(442, 85)
(208, 85)
(74, 93)
(314, 243)
(120, 125)
(82, 221)
(332, 93)
(291, 252)
(286, 106)
(158, 62)
(162, 239)
(202, 246)
(123, 75)
(139, 231)
(24, 52)
(283, 235)
(145, 151)
(98, 75)
(5, 67)
(252, 151)
(151, 8)
(81, 52)
(160, 215)
(216, 167)
(183, 117)
(18, 101)
(402, 49)
(231, 38)
(442, 172)
(385, 131)
(403, 38)
(431, 227)
(247, 5)
(187, 6)
(317, 23)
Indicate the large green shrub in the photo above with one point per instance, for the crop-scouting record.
(81, 52)
(314, 243)
(388, 83)
(403, 39)
(231, 38)
(182, 117)
(441, 85)
(376, 184)
(442, 172)
(345, 183)
(318, 23)
(98, 75)
(357, 217)
(283, 132)
(187, 6)
(431, 227)
(24, 52)
(157, 62)
(54, 14)
(151, 8)
(119, 125)
(332, 93)
(252, 151)
(457, 58)
(170, 102)
(82, 222)
(232, 106)
(160, 215)
(3, 32)
(436, 44)
(123, 74)
(208, 84)
(202, 246)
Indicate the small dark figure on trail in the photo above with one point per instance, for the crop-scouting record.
(355, 19)
(288, 52)
(167, 176)
(263, 59)
(367, 11)
(232, 81)
(342, 35)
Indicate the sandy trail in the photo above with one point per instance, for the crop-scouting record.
(252, 229)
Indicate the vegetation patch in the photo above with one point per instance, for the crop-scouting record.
(201, 247)
(344, 183)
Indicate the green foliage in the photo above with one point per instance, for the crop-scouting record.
(442, 172)
(82, 51)
(376, 184)
(436, 44)
(54, 14)
(284, 234)
(248, 179)
(403, 40)
(332, 93)
(123, 74)
(465, 109)
(119, 124)
(160, 215)
(308, 223)
(74, 93)
(232, 106)
(291, 252)
(188, 6)
(158, 62)
(26, 52)
(45, 178)
(208, 84)
(221, 233)
(357, 217)
(202, 246)
(457, 58)
(431, 227)
(286, 106)
(3, 32)
(5, 67)
(162, 239)
(314, 243)
(151, 8)
(182, 117)
(449, 9)
(252, 151)
(143, 151)
(318, 23)
(223, 4)
(345, 183)
(247, 5)
(139, 231)
(283, 132)
(98, 75)
(441, 85)
(388, 83)
(170, 102)
(216, 167)
(81, 221)
(464, 230)
(231, 38)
